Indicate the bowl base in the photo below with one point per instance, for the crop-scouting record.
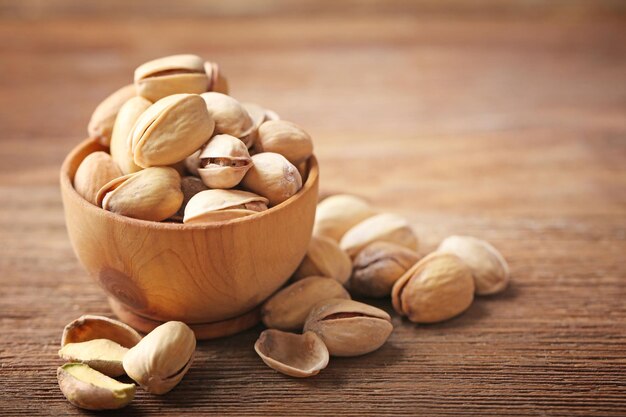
(203, 331)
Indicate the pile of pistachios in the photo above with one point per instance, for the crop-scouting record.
(182, 150)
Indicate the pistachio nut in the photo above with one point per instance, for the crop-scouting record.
(285, 138)
(437, 288)
(89, 389)
(150, 194)
(378, 266)
(192, 163)
(273, 177)
(338, 213)
(292, 354)
(162, 358)
(324, 257)
(349, 328)
(89, 327)
(257, 115)
(230, 116)
(289, 307)
(223, 162)
(169, 75)
(103, 118)
(385, 227)
(220, 205)
(170, 130)
(489, 269)
(190, 186)
(121, 151)
(97, 169)
(100, 354)
(217, 81)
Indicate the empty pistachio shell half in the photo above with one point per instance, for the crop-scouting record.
(337, 214)
(273, 177)
(103, 118)
(349, 328)
(489, 269)
(285, 138)
(171, 75)
(89, 327)
(89, 389)
(150, 194)
(220, 205)
(217, 80)
(230, 116)
(100, 354)
(121, 151)
(378, 266)
(385, 227)
(289, 307)
(292, 354)
(324, 257)
(437, 288)
(223, 162)
(170, 130)
(161, 359)
(97, 169)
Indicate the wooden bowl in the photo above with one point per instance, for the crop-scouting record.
(212, 277)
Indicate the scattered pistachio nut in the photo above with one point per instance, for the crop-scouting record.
(437, 288)
(349, 328)
(324, 257)
(292, 354)
(217, 81)
(289, 307)
(224, 162)
(89, 327)
(386, 227)
(103, 355)
(378, 266)
(161, 359)
(89, 389)
(230, 116)
(170, 75)
(103, 118)
(121, 151)
(150, 194)
(337, 214)
(97, 169)
(489, 269)
(220, 205)
(190, 186)
(273, 177)
(285, 138)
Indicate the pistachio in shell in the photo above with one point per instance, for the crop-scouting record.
(230, 116)
(324, 257)
(103, 118)
(97, 169)
(100, 354)
(292, 354)
(224, 162)
(220, 205)
(170, 75)
(273, 177)
(338, 213)
(217, 81)
(285, 138)
(121, 151)
(385, 227)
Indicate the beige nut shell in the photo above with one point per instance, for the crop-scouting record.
(386, 227)
(97, 169)
(235, 162)
(220, 205)
(324, 257)
(230, 116)
(285, 138)
(170, 75)
(121, 151)
(273, 177)
(292, 354)
(103, 118)
(338, 213)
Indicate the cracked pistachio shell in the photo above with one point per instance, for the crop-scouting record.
(190, 186)
(89, 389)
(324, 257)
(217, 81)
(170, 130)
(220, 205)
(489, 269)
(89, 327)
(349, 328)
(230, 116)
(103, 355)
(120, 140)
(297, 355)
(289, 307)
(437, 288)
(162, 358)
(378, 266)
(169, 75)
(273, 177)
(97, 169)
(103, 118)
(285, 138)
(337, 214)
(386, 227)
(150, 194)
(223, 162)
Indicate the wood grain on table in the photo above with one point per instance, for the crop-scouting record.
(506, 121)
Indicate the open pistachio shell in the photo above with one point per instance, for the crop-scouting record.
(171, 75)
(224, 162)
(121, 151)
(273, 177)
(100, 354)
(324, 257)
(230, 116)
(292, 354)
(97, 169)
(89, 327)
(285, 138)
(220, 205)
(338, 213)
(386, 227)
(103, 118)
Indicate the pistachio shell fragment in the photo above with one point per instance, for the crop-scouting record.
(324, 257)
(89, 389)
(121, 151)
(220, 205)
(89, 327)
(289, 307)
(97, 169)
(349, 328)
(161, 359)
(224, 162)
(273, 177)
(171, 75)
(489, 269)
(337, 214)
(100, 354)
(285, 138)
(385, 227)
(103, 118)
(217, 81)
(230, 116)
(292, 354)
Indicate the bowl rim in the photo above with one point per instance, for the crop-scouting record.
(67, 185)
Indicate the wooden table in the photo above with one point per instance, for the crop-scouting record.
(504, 121)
